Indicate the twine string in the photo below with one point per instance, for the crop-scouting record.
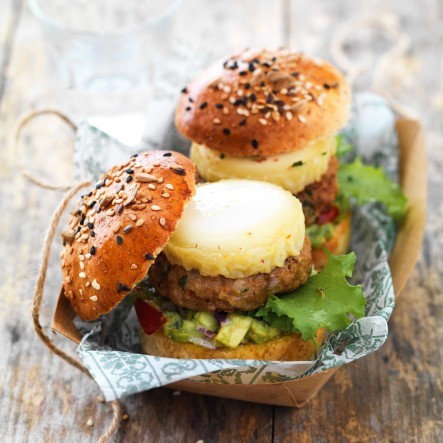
(23, 122)
(38, 297)
(49, 237)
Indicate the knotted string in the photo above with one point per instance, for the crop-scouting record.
(49, 237)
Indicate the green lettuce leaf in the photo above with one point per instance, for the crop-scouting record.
(342, 147)
(366, 184)
(326, 300)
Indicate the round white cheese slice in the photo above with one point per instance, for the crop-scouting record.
(292, 171)
(237, 228)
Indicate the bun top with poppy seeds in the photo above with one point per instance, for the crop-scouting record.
(261, 103)
(121, 226)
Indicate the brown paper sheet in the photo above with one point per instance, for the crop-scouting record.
(413, 179)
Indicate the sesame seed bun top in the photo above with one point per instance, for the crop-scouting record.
(262, 102)
(121, 226)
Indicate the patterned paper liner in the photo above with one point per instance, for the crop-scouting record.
(110, 348)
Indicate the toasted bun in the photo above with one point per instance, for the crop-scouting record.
(337, 245)
(286, 348)
(121, 226)
(262, 102)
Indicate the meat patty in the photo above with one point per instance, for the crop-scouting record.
(194, 291)
(319, 196)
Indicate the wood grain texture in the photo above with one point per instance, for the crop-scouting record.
(392, 395)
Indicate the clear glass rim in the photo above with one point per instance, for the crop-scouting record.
(48, 21)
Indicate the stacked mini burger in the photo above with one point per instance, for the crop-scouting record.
(198, 262)
(273, 116)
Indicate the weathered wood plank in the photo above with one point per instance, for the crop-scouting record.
(396, 393)
(41, 397)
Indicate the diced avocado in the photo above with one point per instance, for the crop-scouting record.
(187, 330)
(233, 331)
(207, 320)
(174, 322)
(260, 332)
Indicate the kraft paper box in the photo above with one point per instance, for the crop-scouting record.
(279, 383)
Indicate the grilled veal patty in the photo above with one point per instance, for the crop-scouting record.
(319, 196)
(194, 291)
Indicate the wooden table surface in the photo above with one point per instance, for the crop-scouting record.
(393, 395)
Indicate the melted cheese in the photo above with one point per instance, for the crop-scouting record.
(293, 171)
(237, 228)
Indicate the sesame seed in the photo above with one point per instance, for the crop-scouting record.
(134, 266)
(149, 256)
(226, 131)
(118, 209)
(68, 279)
(162, 221)
(301, 118)
(203, 105)
(288, 115)
(169, 186)
(91, 225)
(110, 212)
(219, 106)
(160, 180)
(254, 144)
(225, 111)
(81, 257)
(133, 217)
(128, 179)
(216, 121)
(145, 178)
(84, 237)
(95, 284)
(127, 229)
(129, 171)
(82, 265)
(92, 234)
(139, 222)
(188, 108)
(92, 298)
(138, 207)
(156, 208)
(184, 90)
(88, 255)
(262, 121)
(166, 195)
(119, 240)
(87, 284)
(151, 186)
(82, 275)
(116, 228)
(242, 122)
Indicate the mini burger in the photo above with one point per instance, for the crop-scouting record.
(206, 266)
(273, 116)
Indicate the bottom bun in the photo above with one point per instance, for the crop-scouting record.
(337, 245)
(286, 348)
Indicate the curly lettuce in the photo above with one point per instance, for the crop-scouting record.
(326, 300)
(366, 183)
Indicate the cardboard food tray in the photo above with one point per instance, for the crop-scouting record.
(413, 180)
